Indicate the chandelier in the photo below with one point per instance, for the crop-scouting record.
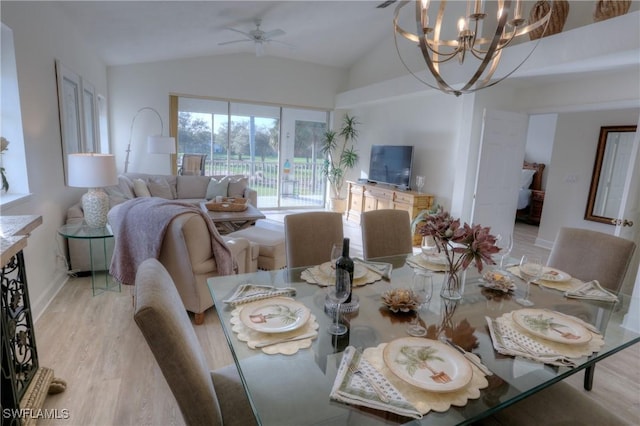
(467, 42)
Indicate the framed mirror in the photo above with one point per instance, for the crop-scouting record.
(609, 173)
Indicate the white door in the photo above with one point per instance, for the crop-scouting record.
(504, 136)
(630, 211)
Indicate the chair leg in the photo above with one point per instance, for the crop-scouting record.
(588, 377)
(199, 318)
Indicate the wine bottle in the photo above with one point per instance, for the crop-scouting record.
(344, 269)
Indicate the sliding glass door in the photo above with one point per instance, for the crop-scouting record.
(277, 148)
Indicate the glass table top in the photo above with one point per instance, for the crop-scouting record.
(294, 389)
(81, 230)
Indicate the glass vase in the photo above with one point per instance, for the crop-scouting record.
(453, 285)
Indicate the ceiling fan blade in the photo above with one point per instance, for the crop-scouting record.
(292, 46)
(259, 49)
(232, 42)
(244, 33)
(274, 33)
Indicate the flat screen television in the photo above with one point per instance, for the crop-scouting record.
(391, 164)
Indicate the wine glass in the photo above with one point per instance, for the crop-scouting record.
(505, 244)
(428, 245)
(336, 252)
(419, 183)
(422, 289)
(530, 270)
(338, 294)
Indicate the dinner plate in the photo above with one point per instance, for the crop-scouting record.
(551, 326)
(275, 315)
(328, 269)
(427, 364)
(436, 259)
(552, 274)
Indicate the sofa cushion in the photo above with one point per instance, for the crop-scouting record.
(140, 188)
(192, 186)
(126, 186)
(159, 187)
(237, 186)
(217, 187)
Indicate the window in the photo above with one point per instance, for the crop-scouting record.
(247, 139)
(13, 159)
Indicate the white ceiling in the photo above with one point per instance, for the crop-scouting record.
(335, 33)
(332, 33)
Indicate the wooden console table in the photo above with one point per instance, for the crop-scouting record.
(24, 383)
(363, 197)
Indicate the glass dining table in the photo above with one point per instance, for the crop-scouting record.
(294, 389)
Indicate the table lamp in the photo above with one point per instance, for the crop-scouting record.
(93, 171)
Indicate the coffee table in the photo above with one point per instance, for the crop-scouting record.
(227, 222)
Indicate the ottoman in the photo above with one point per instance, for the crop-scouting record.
(271, 254)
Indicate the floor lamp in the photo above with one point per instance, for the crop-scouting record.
(93, 171)
(156, 144)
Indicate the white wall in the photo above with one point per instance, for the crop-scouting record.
(42, 34)
(237, 77)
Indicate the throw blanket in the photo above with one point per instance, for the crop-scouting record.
(139, 227)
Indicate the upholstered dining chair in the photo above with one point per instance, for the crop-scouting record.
(204, 397)
(592, 255)
(385, 233)
(192, 164)
(309, 237)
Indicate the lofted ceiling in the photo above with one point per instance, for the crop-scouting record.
(334, 33)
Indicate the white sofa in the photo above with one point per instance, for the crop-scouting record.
(192, 189)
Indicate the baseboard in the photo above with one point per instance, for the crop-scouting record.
(38, 306)
(544, 243)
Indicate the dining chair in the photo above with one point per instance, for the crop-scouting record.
(309, 237)
(192, 164)
(204, 397)
(558, 405)
(592, 255)
(385, 233)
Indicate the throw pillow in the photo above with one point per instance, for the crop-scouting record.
(159, 187)
(217, 188)
(237, 187)
(140, 188)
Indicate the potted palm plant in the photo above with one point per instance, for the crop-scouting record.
(340, 156)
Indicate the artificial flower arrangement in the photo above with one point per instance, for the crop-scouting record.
(461, 245)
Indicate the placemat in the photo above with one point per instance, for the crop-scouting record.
(254, 338)
(510, 339)
(420, 261)
(425, 401)
(315, 275)
(569, 285)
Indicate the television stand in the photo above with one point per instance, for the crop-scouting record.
(363, 197)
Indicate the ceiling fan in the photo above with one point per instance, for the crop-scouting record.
(258, 36)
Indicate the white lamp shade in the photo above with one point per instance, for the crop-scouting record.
(161, 145)
(91, 170)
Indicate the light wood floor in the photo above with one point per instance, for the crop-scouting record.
(113, 379)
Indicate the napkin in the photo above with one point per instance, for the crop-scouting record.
(353, 389)
(592, 290)
(508, 341)
(381, 268)
(252, 292)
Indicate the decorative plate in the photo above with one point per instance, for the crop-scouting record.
(436, 259)
(328, 269)
(498, 280)
(427, 364)
(275, 315)
(552, 274)
(546, 324)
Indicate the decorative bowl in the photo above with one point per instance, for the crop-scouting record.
(400, 300)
